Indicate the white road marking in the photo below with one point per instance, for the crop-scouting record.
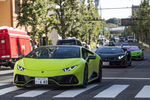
(2, 84)
(75, 92)
(125, 78)
(10, 80)
(112, 91)
(144, 93)
(7, 90)
(32, 93)
(6, 72)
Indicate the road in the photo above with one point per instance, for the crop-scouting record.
(131, 83)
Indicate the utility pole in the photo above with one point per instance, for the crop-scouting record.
(102, 26)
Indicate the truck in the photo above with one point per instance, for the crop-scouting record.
(14, 44)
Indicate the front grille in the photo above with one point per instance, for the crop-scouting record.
(68, 79)
(110, 59)
(116, 63)
(135, 57)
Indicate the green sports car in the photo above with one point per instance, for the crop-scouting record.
(136, 52)
(58, 65)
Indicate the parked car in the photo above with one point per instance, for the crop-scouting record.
(61, 65)
(69, 42)
(13, 44)
(114, 56)
(136, 52)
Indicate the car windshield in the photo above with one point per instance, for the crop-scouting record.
(110, 50)
(67, 42)
(130, 37)
(55, 53)
(133, 49)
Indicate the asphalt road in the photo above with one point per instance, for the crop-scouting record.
(131, 83)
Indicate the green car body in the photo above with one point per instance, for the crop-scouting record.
(137, 55)
(60, 71)
(136, 52)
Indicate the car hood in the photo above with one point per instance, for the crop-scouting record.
(135, 52)
(48, 64)
(109, 55)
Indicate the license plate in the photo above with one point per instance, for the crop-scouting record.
(41, 80)
(106, 63)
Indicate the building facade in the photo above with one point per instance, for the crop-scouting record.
(9, 10)
(6, 13)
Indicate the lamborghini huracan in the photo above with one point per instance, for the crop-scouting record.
(114, 56)
(136, 52)
(60, 65)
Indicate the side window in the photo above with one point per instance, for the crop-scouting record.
(84, 54)
(90, 53)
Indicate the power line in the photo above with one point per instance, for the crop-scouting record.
(114, 8)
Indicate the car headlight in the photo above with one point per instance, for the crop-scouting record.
(20, 68)
(69, 68)
(138, 53)
(120, 57)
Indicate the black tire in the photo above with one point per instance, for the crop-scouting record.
(99, 79)
(142, 57)
(85, 78)
(130, 63)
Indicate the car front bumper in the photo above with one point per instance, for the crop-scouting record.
(138, 57)
(114, 63)
(27, 81)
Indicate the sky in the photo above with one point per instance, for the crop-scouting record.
(117, 13)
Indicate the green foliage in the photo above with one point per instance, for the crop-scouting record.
(35, 14)
(69, 17)
(73, 19)
(141, 26)
(114, 21)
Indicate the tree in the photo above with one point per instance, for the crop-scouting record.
(34, 14)
(141, 25)
(114, 21)
(94, 26)
(67, 13)
(74, 16)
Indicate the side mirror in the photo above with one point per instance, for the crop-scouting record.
(91, 57)
(142, 49)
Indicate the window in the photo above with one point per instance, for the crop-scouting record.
(17, 4)
(86, 53)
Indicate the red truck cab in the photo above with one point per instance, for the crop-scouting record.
(13, 44)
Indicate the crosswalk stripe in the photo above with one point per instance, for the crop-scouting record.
(32, 93)
(7, 90)
(144, 93)
(75, 92)
(112, 91)
(6, 72)
(2, 84)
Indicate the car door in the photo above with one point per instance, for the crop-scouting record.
(85, 54)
